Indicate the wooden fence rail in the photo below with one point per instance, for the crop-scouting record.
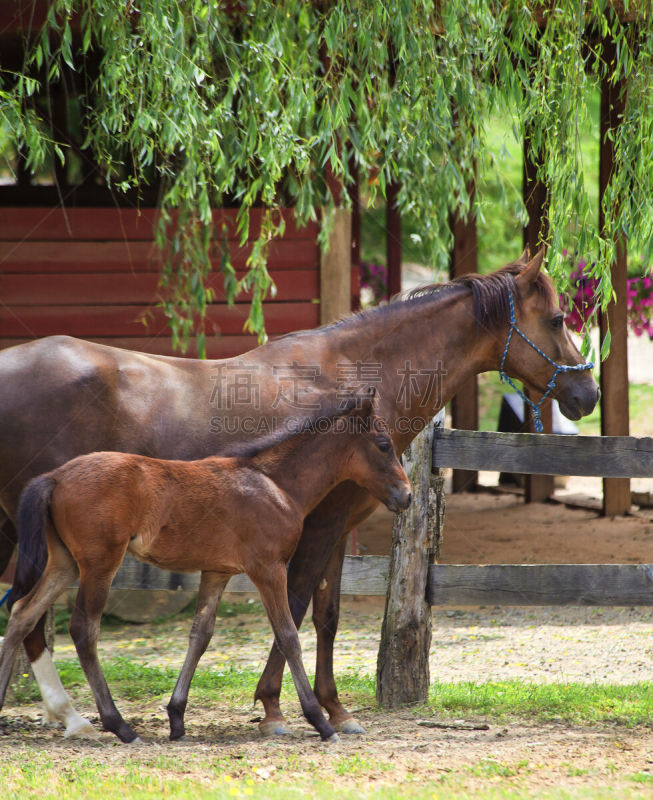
(601, 456)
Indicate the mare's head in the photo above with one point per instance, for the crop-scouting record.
(538, 316)
(372, 461)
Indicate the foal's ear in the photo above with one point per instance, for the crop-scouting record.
(367, 401)
(525, 257)
(362, 402)
(527, 277)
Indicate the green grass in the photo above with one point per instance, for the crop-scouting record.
(577, 703)
(640, 399)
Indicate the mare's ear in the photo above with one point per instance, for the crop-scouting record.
(527, 277)
(525, 257)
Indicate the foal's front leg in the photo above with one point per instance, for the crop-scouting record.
(208, 599)
(326, 613)
(322, 530)
(271, 583)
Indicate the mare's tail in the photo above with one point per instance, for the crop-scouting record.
(33, 512)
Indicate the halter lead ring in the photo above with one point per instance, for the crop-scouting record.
(505, 378)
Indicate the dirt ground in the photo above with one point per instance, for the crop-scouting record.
(483, 528)
(468, 644)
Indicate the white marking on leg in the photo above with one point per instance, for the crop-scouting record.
(57, 703)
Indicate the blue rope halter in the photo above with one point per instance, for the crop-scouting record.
(5, 597)
(505, 378)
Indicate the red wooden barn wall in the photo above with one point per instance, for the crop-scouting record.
(93, 273)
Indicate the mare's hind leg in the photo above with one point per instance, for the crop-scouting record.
(326, 614)
(208, 599)
(84, 628)
(322, 530)
(58, 575)
(271, 583)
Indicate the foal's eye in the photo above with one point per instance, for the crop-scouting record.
(557, 322)
(384, 447)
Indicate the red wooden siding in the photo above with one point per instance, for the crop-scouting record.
(93, 273)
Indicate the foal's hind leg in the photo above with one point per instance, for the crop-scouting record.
(84, 628)
(271, 583)
(58, 575)
(211, 587)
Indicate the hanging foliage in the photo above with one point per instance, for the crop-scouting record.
(246, 103)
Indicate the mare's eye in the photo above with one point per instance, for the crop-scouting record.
(557, 323)
(384, 447)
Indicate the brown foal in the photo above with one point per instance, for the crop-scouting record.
(220, 516)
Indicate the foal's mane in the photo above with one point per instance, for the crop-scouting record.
(490, 293)
(306, 426)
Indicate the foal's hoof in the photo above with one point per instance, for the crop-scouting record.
(349, 726)
(274, 727)
(332, 739)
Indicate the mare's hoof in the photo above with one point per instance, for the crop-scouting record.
(349, 726)
(81, 729)
(135, 741)
(274, 727)
(332, 739)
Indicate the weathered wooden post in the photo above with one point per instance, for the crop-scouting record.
(402, 674)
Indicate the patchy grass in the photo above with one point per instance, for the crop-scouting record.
(576, 703)
(186, 775)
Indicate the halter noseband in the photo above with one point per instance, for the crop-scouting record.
(535, 407)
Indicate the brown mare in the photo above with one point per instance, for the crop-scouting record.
(60, 397)
(220, 516)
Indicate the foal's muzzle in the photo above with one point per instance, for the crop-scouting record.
(399, 499)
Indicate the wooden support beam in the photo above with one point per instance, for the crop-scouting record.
(464, 404)
(393, 242)
(537, 488)
(614, 370)
(335, 261)
(402, 674)
(354, 196)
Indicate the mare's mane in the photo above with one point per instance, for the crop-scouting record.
(489, 295)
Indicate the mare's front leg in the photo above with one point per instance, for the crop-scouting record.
(271, 583)
(92, 596)
(208, 599)
(326, 614)
(322, 530)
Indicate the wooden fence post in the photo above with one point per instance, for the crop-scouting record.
(402, 674)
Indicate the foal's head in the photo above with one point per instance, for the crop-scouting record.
(372, 461)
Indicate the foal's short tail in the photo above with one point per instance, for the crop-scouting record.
(33, 512)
